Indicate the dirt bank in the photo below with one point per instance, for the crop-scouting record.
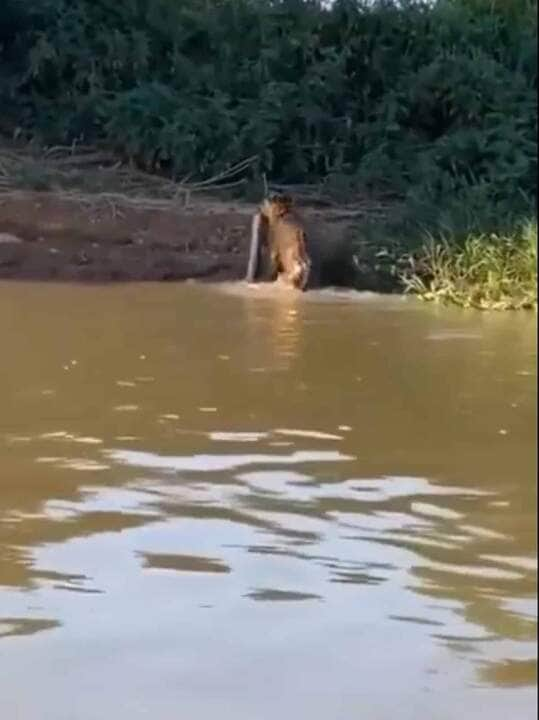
(49, 236)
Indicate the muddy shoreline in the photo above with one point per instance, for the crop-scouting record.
(49, 236)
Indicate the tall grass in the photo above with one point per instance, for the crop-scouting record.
(494, 272)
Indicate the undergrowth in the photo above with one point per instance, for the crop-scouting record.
(494, 272)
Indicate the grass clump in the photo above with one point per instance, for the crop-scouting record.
(494, 272)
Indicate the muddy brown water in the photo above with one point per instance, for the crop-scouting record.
(236, 503)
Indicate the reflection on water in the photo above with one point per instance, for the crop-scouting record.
(184, 563)
(10, 627)
(331, 490)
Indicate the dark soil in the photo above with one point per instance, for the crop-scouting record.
(49, 236)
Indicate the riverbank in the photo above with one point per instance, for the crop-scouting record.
(48, 235)
(327, 106)
(80, 215)
(55, 236)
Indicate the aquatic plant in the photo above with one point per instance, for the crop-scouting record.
(497, 272)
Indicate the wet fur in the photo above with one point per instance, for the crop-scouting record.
(285, 237)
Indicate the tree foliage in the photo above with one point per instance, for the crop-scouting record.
(432, 100)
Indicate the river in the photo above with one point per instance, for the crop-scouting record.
(238, 503)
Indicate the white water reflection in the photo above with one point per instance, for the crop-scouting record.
(206, 463)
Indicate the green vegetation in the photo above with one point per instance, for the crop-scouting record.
(486, 272)
(432, 103)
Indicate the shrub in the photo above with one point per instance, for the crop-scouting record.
(486, 272)
(413, 96)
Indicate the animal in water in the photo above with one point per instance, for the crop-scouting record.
(277, 223)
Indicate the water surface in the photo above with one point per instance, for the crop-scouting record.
(238, 503)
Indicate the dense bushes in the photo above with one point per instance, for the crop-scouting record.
(436, 97)
(434, 101)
